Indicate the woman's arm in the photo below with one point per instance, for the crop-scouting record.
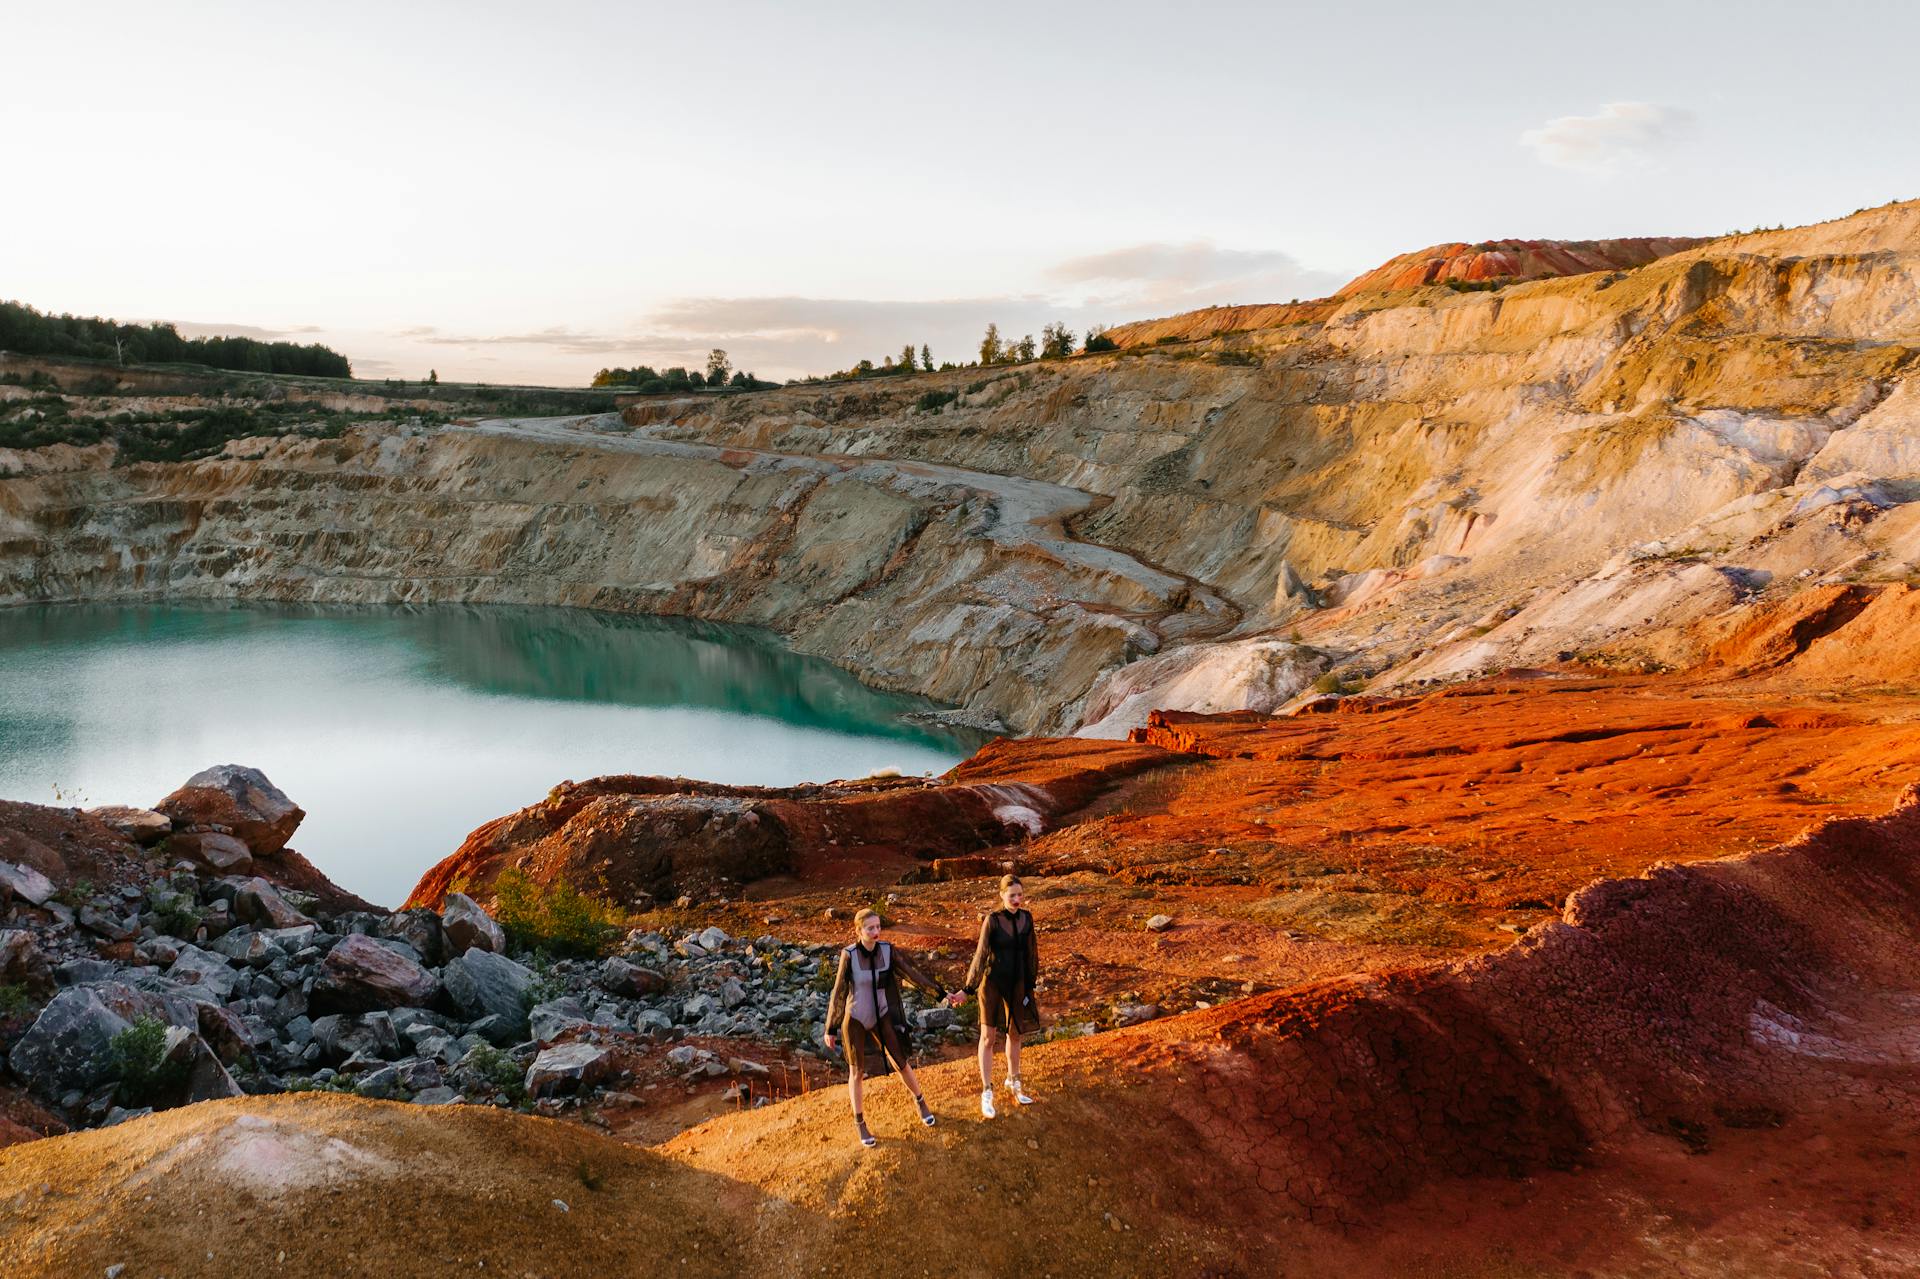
(837, 1004)
(982, 953)
(1033, 954)
(919, 976)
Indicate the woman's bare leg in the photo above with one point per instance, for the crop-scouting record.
(911, 1080)
(854, 1090)
(1013, 1054)
(986, 1056)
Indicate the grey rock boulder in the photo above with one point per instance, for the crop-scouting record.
(69, 1045)
(221, 854)
(141, 825)
(203, 968)
(484, 984)
(469, 927)
(24, 883)
(240, 799)
(548, 1021)
(206, 1078)
(23, 963)
(360, 974)
(624, 977)
(422, 931)
(566, 1068)
(259, 903)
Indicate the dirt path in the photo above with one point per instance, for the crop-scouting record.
(1031, 516)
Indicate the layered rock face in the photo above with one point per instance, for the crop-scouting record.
(1618, 466)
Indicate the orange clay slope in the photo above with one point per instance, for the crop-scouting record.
(1710, 1069)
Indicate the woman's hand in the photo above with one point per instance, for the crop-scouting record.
(829, 1038)
(956, 999)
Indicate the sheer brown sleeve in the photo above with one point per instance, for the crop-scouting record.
(837, 1005)
(919, 976)
(1033, 954)
(977, 971)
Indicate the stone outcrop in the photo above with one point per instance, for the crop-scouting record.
(1418, 485)
(241, 801)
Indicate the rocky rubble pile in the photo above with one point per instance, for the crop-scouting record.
(200, 985)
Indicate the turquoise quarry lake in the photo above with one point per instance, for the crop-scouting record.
(399, 730)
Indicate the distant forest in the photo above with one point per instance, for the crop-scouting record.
(26, 331)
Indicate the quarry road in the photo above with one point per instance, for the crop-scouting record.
(1028, 515)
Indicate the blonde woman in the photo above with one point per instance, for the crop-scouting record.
(1005, 972)
(872, 1017)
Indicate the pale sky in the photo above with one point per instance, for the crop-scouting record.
(508, 191)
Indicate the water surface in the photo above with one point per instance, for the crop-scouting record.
(400, 730)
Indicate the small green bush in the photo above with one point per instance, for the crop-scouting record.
(500, 1070)
(140, 1065)
(934, 401)
(14, 1000)
(557, 918)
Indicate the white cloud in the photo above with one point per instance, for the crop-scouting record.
(1621, 135)
(789, 336)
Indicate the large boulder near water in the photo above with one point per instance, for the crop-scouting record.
(242, 800)
(359, 974)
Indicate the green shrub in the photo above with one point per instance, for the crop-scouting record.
(500, 1070)
(1166, 339)
(140, 1065)
(556, 918)
(934, 401)
(13, 1000)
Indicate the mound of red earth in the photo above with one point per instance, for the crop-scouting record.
(1513, 260)
(1709, 1069)
(637, 839)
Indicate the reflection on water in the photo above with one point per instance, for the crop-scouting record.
(399, 730)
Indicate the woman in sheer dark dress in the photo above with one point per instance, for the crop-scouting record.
(1005, 972)
(872, 1019)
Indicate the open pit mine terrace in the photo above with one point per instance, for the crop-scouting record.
(1464, 786)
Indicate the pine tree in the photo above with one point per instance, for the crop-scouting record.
(926, 359)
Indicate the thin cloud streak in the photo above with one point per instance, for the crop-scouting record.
(1620, 136)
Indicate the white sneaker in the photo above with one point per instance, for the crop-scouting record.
(1019, 1093)
(986, 1103)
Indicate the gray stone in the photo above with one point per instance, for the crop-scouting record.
(360, 973)
(732, 994)
(203, 968)
(69, 1044)
(624, 977)
(496, 1029)
(340, 1036)
(24, 883)
(239, 798)
(485, 984)
(23, 963)
(224, 1032)
(469, 927)
(83, 972)
(222, 854)
(652, 1021)
(441, 1096)
(259, 903)
(712, 938)
(106, 924)
(935, 1018)
(207, 1079)
(141, 825)
(568, 1068)
(698, 1007)
(1160, 923)
(157, 950)
(548, 1021)
(1134, 1014)
(417, 1073)
(245, 946)
(421, 930)
(379, 1081)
